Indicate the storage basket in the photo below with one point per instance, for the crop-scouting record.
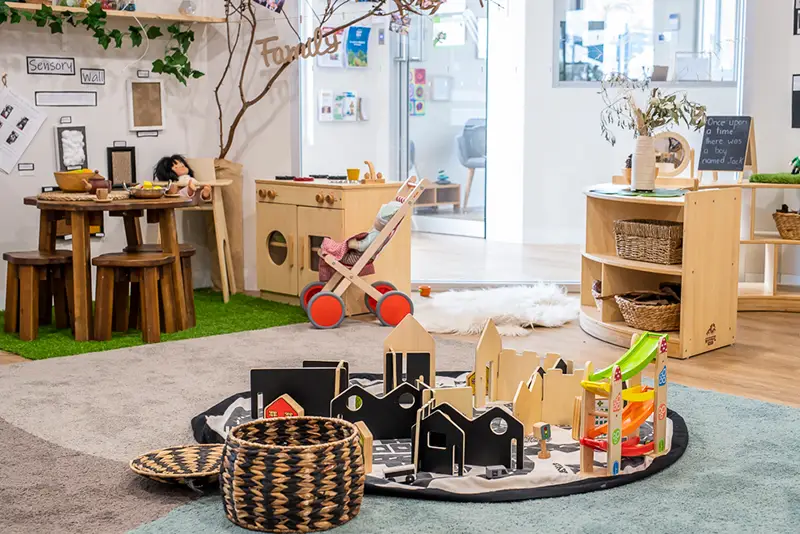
(788, 225)
(193, 465)
(653, 318)
(292, 474)
(597, 288)
(649, 240)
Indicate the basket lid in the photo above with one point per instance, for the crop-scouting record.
(180, 464)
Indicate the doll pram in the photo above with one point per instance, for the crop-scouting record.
(323, 301)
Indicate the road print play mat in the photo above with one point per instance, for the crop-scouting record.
(538, 478)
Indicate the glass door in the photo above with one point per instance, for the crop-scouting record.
(439, 85)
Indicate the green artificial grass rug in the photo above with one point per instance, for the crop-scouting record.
(776, 178)
(214, 317)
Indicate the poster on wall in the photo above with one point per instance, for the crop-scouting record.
(335, 59)
(71, 153)
(19, 123)
(325, 106)
(358, 46)
(274, 5)
(345, 106)
(416, 90)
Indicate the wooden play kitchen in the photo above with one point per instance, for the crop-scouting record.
(706, 271)
(293, 217)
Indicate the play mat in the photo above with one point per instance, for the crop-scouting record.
(557, 476)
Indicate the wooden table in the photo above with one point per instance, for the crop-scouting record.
(78, 211)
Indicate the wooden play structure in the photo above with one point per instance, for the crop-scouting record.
(451, 429)
(619, 435)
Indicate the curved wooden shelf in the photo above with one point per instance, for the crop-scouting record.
(676, 202)
(753, 297)
(647, 267)
(765, 241)
(618, 333)
(141, 15)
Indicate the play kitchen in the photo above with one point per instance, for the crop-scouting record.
(295, 216)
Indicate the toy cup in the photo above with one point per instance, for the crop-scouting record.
(425, 291)
(102, 193)
(353, 175)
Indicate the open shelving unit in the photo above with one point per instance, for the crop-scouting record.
(708, 273)
(767, 295)
(112, 14)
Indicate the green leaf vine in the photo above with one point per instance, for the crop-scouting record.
(175, 62)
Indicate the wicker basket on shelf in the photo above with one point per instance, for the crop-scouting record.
(649, 240)
(292, 474)
(653, 311)
(597, 289)
(788, 225)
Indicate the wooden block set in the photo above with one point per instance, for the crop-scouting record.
(451, 428)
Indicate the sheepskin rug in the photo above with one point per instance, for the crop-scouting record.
(515, 310)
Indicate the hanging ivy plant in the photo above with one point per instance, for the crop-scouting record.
(174, 63)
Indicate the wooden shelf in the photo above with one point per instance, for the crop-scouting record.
(616, 261)
(776, 241)
(708, 274)
(141, 15)
(748, 185)
(755, 296)
(618, 333)
(677, 202)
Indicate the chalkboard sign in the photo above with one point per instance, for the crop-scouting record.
(725, 144)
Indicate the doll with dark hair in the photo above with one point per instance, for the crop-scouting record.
(176, 169)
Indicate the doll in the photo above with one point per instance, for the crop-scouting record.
(175, 169)
(386, 212)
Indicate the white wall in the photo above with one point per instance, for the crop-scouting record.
(564, 150)
(772, 54)
(333, 147)
(185, 132)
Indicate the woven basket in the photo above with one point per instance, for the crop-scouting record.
(788, 225)
(292, 474)
(649, 240)
(193, 465)
(663, 318)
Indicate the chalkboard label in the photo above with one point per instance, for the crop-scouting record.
(725, 142)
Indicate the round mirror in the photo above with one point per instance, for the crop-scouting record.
(672, 153)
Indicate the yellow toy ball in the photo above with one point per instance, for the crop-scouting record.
(147, 185)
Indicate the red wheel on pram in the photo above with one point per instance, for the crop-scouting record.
(308, 293)
(393, 307)
(325, 310)
(383, 288)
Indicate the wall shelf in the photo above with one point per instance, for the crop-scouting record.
(708, 274)
(127, 15)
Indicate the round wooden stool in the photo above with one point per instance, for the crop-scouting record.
(187, 251)
(145, 270)
(34, 281)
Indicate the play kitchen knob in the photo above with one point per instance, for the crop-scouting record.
(329, 199)
(320, 197)
(271, 194)
(262, 194)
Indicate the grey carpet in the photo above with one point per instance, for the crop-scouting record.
(120, 404)
(740, 474)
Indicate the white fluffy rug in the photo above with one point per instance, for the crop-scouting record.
(515, 310)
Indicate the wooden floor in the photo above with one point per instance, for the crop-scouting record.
(436, 257)
(764, 363)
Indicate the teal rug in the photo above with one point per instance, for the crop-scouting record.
(740, 474)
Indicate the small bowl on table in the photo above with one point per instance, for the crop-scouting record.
(74, 182)
(146, 193)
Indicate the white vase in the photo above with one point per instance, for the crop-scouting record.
(643, 174)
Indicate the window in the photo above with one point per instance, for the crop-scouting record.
(668, 40)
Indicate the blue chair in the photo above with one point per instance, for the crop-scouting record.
(472, 151)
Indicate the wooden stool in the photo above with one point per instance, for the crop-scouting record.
(115, 271)
(34, 279)
(187, 251)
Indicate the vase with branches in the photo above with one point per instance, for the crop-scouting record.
(633, 105)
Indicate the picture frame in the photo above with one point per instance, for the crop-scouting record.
(146, 105)
(121, 166)
(70, 155)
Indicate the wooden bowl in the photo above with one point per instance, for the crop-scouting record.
(147, 193)
(74, 182)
